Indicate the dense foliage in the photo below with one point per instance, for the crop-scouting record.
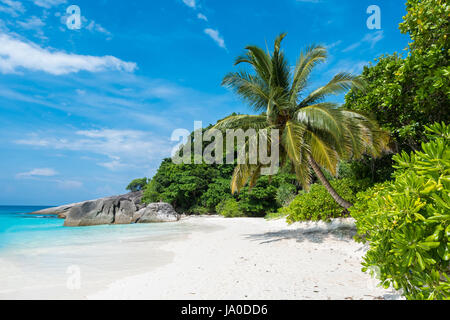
(407, 221)
(217, 191)
(198, 189)
(183, 185)
(405, 94)
(137, 185)
(317, 204)
(286, 194)
(427, 24)
(262, 197)
(229, 208)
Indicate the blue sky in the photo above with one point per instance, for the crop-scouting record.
(82, 112)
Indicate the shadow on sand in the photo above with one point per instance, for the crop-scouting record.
(314, 236)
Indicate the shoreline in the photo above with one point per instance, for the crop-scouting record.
(205, 257)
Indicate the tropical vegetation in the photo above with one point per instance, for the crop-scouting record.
(189, 186)
(314, 134)
(404, 94)
(406, 222)
(317, 204)
(137, 185)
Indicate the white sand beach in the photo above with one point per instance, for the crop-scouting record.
(207, 258)
(255, 259)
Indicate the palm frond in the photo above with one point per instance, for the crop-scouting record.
(302, 168)
(280, 67)
(243, 122)
(249, 87)
(292, 140)
(324, 154)
(254, 177)
(278, 103)
(322, 116)
(260, 61)
(241, 175)
(305, 64)
(278, 40)
(340, 83)
(364, 134)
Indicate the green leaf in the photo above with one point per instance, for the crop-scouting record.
(420, 261)
(429, 245)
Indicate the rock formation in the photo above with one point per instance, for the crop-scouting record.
(123, 209)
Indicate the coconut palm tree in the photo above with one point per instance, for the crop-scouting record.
(314, 134)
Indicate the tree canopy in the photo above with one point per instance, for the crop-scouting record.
(407, 93)
(137, 185)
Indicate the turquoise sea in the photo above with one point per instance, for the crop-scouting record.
(37, 253)
(19, 230)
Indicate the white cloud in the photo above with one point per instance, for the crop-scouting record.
(69, 184)
(40, 172)
(16, 54)
(190, 3)
(350, 66)
(112, 165)
(123, 148)
(214, 34)
(32, 23)
(48, 3)
(104, 99)
(371, 38)
(46, 174)
(334, 44)
(352, 47)
(11, 7)
(201, 16)
(96, 27)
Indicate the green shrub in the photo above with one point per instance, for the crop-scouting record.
(262, 198)
(318, 204)
(286, 194)
(406, 222)
(229, 208)
(199, 210)
(182, 185)
(217, 191)
(346, 170)
(377, 170)
(275, 215)
(137, 185)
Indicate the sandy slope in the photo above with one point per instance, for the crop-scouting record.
(253, 259)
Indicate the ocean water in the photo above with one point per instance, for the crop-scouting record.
(19, 231)
(38, 254)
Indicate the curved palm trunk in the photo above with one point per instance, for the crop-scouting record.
(341, 201)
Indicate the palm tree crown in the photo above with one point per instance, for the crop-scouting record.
(313, 134)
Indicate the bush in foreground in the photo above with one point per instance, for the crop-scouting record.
(318, 204)
(407, 221)
(286, 193)
(229, 208)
